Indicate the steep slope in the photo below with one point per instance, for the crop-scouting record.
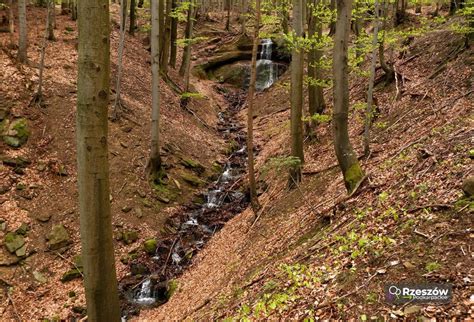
(42, 193)
(316, 252)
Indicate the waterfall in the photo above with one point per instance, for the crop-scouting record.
(145, 296)
(266, 69)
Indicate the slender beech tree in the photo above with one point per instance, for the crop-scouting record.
(93, 81)
(297, 95)
(51, 14)
(11, 18)
(188, 34)
(370, 93)
(133, 19)
(316, 102)
(73, 4)
(173, 37)
(388, 69)
(154, 162)
(123, 25)
(253, 78)
(166, 39)
(346, 156)
(189, 41)
(23, 38)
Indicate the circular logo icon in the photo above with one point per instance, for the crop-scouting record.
(394, 290)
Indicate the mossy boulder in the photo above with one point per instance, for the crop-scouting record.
(15, 162)
(468, 186)
(58, 238)
(71, 275)
(129, 236)
(192, 180)
(17, 133)
(171, 288)
(139, 269)
(150, 246)
(14, 241)
(353, 177)
(193, 165)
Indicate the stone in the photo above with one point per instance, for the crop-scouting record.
(408, 265)
(14, 241)
(129, 236)
(43, 217)
(468, 186)
(150, 246)
(163, 199)
(17, 133)
(192, 180)
(126, 209)
(71, 275)
(21, 252)
(193, 165)
(412, 309)
(58, 237)
(23, 229)
(4, 189)
(39, 277)
(139, 269)
(7, 259)
(16, 162)
(139, 212)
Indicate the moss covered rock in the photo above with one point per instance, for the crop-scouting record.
(71, 275)
(468, 186)
(58, 237)
(150, 246)
(129, 236)
(193, 165)
(17, 133)
(192, 180)
(14, 241)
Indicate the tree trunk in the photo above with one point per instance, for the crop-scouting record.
(253, 77)
(187, 56)
(23, 37)
(174, 37)
(370, 92)
(228, 7)
(64, 7)
(133, 11)
(74, 10)
(161, 19)
(154, 163)
(166, 39)
(418, 7)
(315, 91)
(332, 24)
(187, 37)
(346, 156)
(285, 16)
(123, 25)
(100, 279)
(11, 18)
(389, 72)
(243, 16)
(297, 96)
(50, 27)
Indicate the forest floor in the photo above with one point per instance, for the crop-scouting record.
(313, 251)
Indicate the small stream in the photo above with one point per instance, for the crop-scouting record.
(195, 224)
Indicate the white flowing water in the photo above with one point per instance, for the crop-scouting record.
(267, 71)
(145, 296)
